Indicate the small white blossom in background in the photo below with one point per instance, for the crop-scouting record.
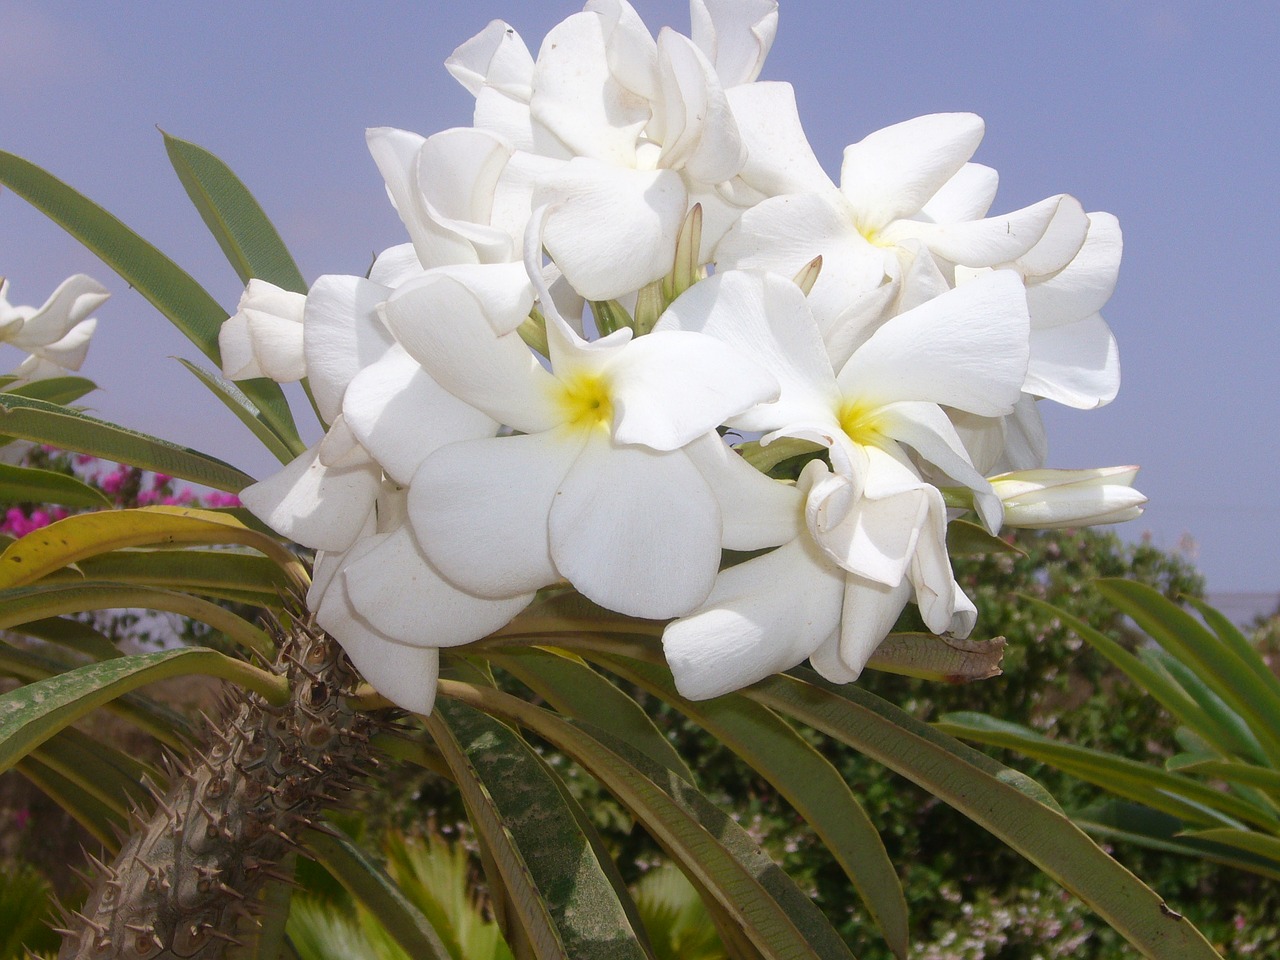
(56, 335)
(487, 438)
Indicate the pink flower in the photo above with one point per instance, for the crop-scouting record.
(112, 482)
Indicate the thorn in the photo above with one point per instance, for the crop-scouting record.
(99, 928)
(231, 891)
(224, 937)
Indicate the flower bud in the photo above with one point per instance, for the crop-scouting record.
(1044, 499)
(264, 338)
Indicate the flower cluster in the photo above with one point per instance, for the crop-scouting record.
(56, 335)
(878, 347)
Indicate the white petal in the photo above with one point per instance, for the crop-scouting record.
(869, 613)
(1026, 446)
(396, 154)
(317, 506)
(966, 349)
(393, 586)
(1086, 283)
(456, 173)
(401, 416)
(700, 134)
(735, 35)
(70, 351)
(765, 317)
(779, 158)
(395, 266)
(495, 57)
(673, 385)
(479, 509)
(968, 195)
(403, 674)
(631, 53)
(446, 328)
(1061, 242)
(579, 100)
(981, 243)
(874, 538)
(783, 234)
(1077, 364)
(74, 299)
(755, 510)
(277, 345)
(342, 335)
(762, 617)
(635, 530)
(893, 172)
(611, 230)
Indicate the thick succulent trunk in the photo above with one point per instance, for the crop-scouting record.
(187, 881)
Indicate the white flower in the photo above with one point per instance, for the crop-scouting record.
(771, 612)
(598, 486)
(1045, 499)
(909, 207)
(622, 134)
(264, 336)
(56, 335)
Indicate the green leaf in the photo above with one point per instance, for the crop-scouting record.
(1220, 667)
(1133, 823)
(248, 239)
(565, 903)
(162, 282)
(713, 851)
(109, 776)
(1043, 835)
(1246, 774)
(807, 781)
(1229, 730)
(247, 412)
(370, 886)
(577, 691)
(29, 419)
(157, 719)
(966, 538)
(1249, 841)
(55, 389)
(1181, 796)
(19, 605)
(85, 535)
(31, 714)
(1238, 643)
(1146, 675)
(209, 572)
(29, 485)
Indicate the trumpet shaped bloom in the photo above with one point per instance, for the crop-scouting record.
(1046, 499)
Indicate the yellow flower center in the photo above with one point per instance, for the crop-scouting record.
(584, 400)
(860, 422)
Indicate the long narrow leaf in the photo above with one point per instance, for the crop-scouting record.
(29, 485)
(1229, 727)
(31, 714)
(1216, 664)
(1238, 643)
(209, 572)
(186, 304)
(577, 691)
(247, 238)
(807, 781)
(1148, 785)
(246, 411)
(85, 535)
(25, 418)
(55, 389)
(1044, 836)
(40, 601)
(72, 634)
(157, 719)
(565, 902)
(370, 886)
(711, 849)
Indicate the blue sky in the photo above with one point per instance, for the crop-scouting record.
(1164, 113)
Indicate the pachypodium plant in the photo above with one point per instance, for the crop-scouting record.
(645, 390)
